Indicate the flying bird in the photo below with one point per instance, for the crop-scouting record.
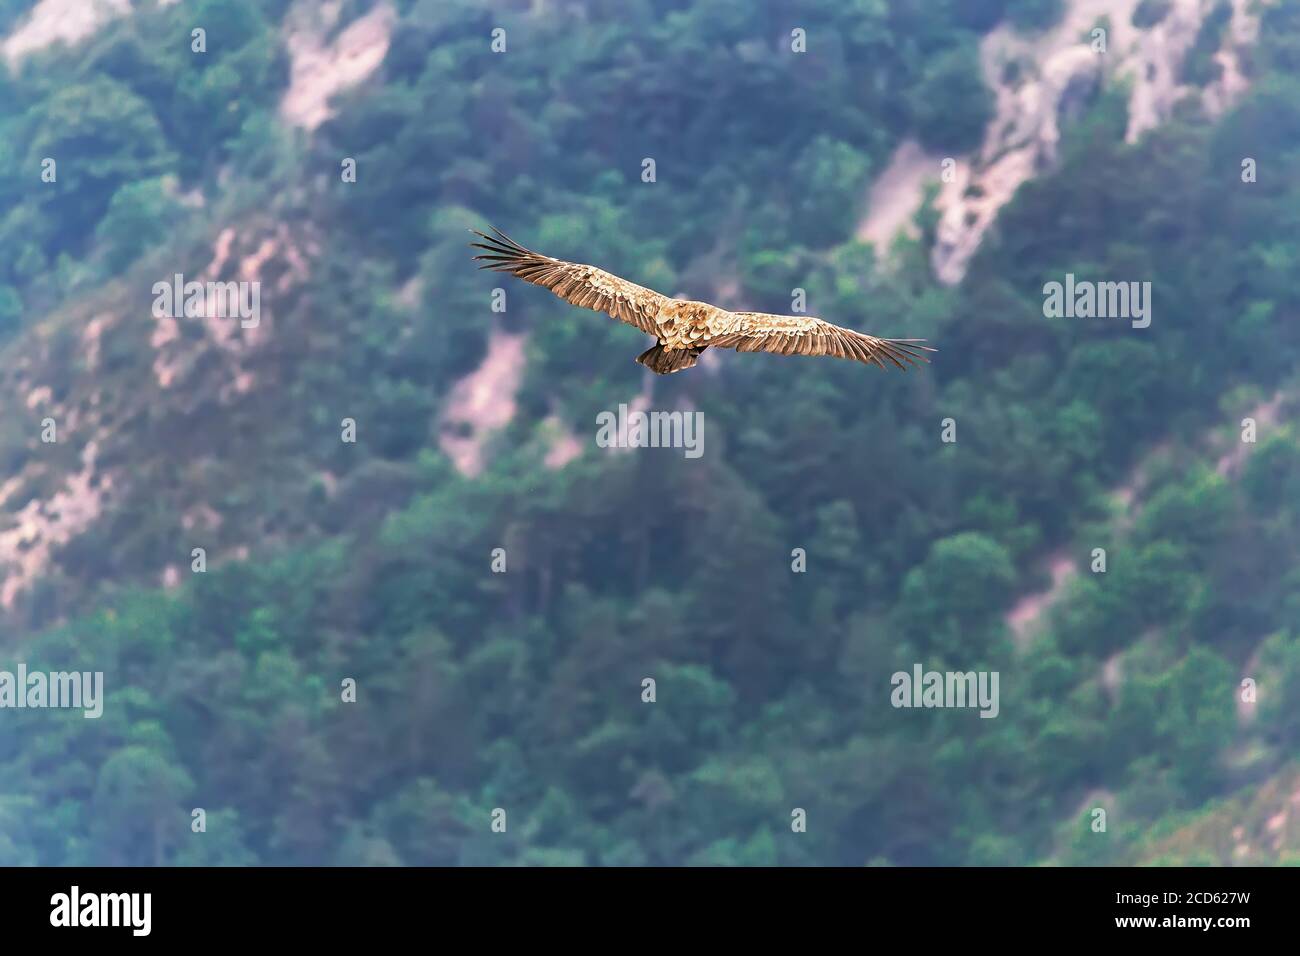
(684, 329)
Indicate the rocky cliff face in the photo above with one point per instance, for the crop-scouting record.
(1042, 83)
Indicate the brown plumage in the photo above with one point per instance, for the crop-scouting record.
(685, 329)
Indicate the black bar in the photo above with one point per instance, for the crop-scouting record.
(373, 905)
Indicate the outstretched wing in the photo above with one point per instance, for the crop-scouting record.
(805, 335)
(574, 282)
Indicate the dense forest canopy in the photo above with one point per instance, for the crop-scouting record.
(523, 690)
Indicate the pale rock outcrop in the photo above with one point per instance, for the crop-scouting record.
(897, 193)
(318, 70)
(59, 21)
(483, 402)
(40, 526)
(1042, 83)
(1243, 31)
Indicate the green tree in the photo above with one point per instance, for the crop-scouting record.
(951, 105)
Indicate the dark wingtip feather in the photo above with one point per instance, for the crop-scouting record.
(499, 245)
(906, 350)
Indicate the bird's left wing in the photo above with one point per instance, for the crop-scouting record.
(806, 335)
(574, 282)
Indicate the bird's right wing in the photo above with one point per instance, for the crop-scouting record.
(573, 282)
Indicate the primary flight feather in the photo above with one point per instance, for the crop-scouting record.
(685, 329)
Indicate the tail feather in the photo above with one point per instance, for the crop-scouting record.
(663, 362)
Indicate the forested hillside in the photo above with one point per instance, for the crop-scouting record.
(329, 560)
